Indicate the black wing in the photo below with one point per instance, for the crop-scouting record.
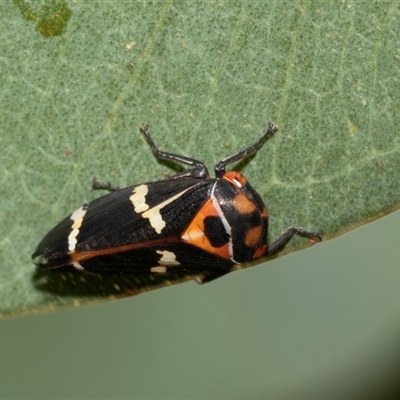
(114, 235)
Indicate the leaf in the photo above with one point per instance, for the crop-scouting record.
(79, 79)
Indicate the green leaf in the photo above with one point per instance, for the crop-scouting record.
(78, 79)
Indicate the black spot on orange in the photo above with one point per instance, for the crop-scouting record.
(215, 231)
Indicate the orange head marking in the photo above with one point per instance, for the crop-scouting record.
(236, 178)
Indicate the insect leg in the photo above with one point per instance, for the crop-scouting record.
(199, 170)
(286, 235)
(248, 151)
(104, 185)
(211, 276)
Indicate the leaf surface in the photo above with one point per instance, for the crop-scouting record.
(78, 80)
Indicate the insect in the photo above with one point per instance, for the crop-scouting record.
(188, 223)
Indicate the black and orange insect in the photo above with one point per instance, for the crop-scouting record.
(189, 223)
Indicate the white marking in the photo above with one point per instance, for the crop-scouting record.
(236, 182)
(189, 236)
(77, 218)
(138, 198)
(225, 223)
(159, 269)
(78, 266)
(154, 216)
(168, 258)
